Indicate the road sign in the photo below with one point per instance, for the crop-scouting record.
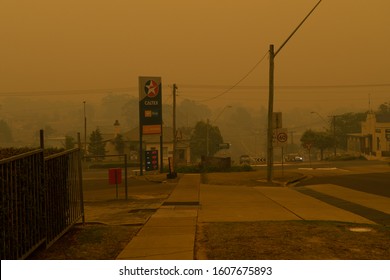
(150, 105)
(259, 160)
(224, 145)
(280, 137)
(277, 120)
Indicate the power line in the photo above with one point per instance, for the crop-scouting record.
(236, 84)
(184, 86)
(289, 86)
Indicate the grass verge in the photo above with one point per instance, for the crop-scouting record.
(89, 242)
(292, 240)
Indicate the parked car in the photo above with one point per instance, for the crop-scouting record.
(293, 158)
(245, 159)
(298, 158)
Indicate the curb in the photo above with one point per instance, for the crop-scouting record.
(296, 180)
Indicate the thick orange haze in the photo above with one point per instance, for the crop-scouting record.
(93, 44)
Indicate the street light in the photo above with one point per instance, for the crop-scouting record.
(272, 56)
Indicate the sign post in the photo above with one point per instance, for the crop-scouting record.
(150, 111)
(280, 137)
(115, 178)
(280, 140)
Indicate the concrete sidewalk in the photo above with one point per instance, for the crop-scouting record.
(170, 233)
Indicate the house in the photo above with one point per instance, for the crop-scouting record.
(149, 142)
(374, 139)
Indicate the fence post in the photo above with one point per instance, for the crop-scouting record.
(125, 155)
(81, 180)
(41, 139)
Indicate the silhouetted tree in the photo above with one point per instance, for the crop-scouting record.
(384, 109)
(345, 124)
(69, 142)
(198, 141)
(119, 144)
(96, 145)
(320, 140)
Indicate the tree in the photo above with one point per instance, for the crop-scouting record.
(5, 132)
(320, 140)
(96, 146)
(198, 141)
(69, 142)
(345, 124)
(384, 108)
(119, 144)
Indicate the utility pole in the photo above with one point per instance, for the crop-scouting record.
(270, 149)
(272, 56)
(334, 136)
(207, 137)
(174, 127)
(85, 131)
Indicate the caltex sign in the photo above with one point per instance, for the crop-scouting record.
(150, 108)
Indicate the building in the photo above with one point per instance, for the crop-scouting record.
(374, 140)
(149, 142)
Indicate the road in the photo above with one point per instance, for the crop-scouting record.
(365, 176)
(368, 177)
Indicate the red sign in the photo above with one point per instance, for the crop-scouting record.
(114, 176)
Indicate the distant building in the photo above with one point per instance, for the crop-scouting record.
(149, 142)
(374, 139)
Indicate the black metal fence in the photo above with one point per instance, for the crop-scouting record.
(64, 196)
(41, 199)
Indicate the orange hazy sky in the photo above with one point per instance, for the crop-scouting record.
(48, 45)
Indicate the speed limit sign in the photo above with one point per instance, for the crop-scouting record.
(282, 137)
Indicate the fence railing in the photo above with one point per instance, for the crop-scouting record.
(41, 199)
(64, 196)
(22, 207)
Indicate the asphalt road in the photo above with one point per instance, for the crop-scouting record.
(369, 177)
(366, 176)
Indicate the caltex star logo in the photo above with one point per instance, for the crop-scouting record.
(151, 88)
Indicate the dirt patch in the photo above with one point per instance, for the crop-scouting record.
(292, 240)
(89, 242)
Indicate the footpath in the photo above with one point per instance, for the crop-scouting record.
(169, 234)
